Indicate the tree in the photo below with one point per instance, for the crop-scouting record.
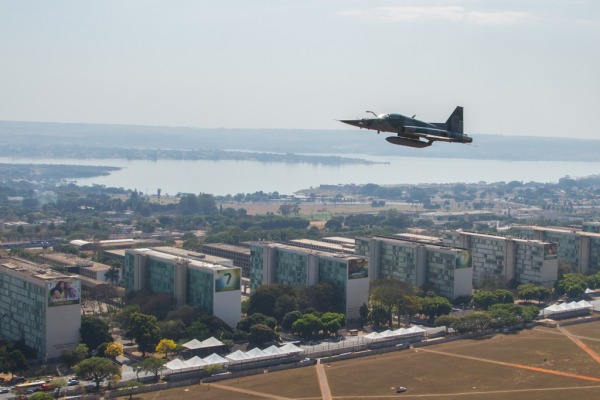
(504, 296)
(408, 306)
(94, 332)
(435, 306)
(173, 328)
(112, 275)
(72, 357)
(264, 299)
(165, 345)
(152, 365)
(379, 316)
(97, 369)
(484, 299)
(307, 326)
(197, 330)
(332, 322)
(447, 321)
(284, 305)
(144, 329)
(113, 350)
(289, 319)
(256, 318)
(15, 361)
(474, 322)
(41, 396)
(529, 291)
(389, 293)
(130, 387)
(261, 334)
(573, 285)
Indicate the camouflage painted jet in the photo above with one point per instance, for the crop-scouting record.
(410, 131)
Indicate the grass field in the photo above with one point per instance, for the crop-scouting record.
(530, 365)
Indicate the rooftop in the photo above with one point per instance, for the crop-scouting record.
(178, 259)
(32, 269)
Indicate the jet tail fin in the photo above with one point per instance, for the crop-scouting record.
(455, 122)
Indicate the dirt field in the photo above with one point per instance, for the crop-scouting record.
(537, 364)
(314, 209)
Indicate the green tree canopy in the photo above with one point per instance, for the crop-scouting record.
(151, 365)
(529, 291)
(484, 299)
(94, 331)
(307, 326)
(573, 285)
(261, 334)
(144, 329)
(435, 306)
(97, 369)
(289, 319)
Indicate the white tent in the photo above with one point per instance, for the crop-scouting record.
(256, 353)
(196, 362)
(373, 336)
(291, 348)
(215, 359)
(237, 356)
(274, 351)
(176, 365)
(388, 334)
(211, 342)
(567, 307)
(193, 344)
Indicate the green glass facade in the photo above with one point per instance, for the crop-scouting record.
(291, 268)
(128, 278)
(200, 289)
(23, 308)
(256, 266)
(440, 272)
(336, 273)
(161, 276)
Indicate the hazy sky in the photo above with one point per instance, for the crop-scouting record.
(522, 67)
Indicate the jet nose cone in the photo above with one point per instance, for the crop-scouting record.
(354, 122)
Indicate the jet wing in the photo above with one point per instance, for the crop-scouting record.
(427, 136)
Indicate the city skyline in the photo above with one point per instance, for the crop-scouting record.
(519, 68)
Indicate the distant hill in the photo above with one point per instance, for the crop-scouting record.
(39, 136)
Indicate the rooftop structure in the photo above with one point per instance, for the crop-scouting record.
(298, 266)
(580, 249)
(213, 288)
(40, 306)
(447, 270)
(505, 259)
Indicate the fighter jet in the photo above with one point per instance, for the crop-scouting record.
(410, 131)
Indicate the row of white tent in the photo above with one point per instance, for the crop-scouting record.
(195, 344)
(238, 356)
(413, 331)
(567, 307)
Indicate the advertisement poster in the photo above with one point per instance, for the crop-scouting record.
(358, 268)
(463, 259)
(63, 293)
(228, 279)
(550, 251)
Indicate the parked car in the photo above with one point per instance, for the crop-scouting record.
(400, 389)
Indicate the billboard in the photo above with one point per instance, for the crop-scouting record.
(550, 251)
(463, 259)
(358, 268)
(228, 279)
(63, 293)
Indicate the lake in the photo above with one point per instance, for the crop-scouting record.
(231, 177)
